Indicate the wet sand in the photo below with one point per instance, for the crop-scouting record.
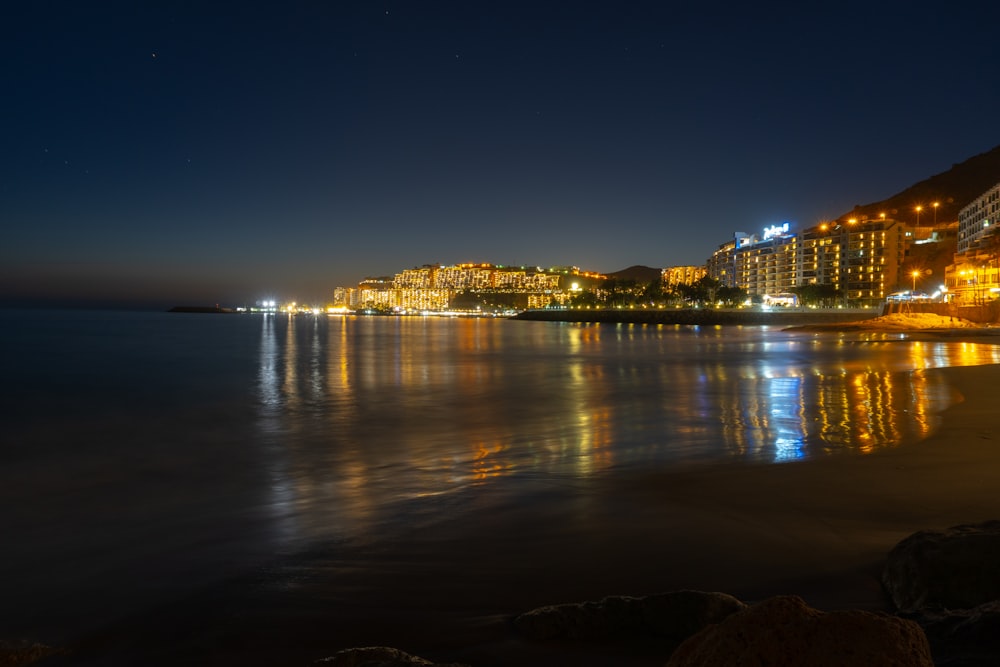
(446, 591)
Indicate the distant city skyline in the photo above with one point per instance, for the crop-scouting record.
(217, 154)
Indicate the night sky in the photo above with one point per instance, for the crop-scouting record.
(210, 152)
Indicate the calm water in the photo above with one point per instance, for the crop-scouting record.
(146, 453)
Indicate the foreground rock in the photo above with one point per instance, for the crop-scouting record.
(379, 656)
(17, 653)
(964, 637)
(946, 569)
(784, 631)
(676, 615)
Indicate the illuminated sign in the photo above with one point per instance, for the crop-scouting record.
(775, 230)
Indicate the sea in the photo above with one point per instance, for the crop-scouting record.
(146, 455)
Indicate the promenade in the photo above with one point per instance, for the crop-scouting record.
(783, 317)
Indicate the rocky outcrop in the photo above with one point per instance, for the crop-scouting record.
(675, 615)
(947, 581)
(945, 569)
(21, 652)
(379, 656)
(978, 625)
(784, 631)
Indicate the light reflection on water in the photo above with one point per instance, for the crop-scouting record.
(190, 446)
(361, 411)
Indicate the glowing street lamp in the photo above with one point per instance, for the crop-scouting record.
(915, 274)
(919, 209)
(935, 205)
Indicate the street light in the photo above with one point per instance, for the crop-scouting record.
(935, 205)
(919, 209)
(915, 274)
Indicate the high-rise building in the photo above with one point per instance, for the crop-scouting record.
(860, 258)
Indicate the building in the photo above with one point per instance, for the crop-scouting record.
(974, 276)
(859, 258)
(762, 265)
(433, 287)
(871, 254)
(765, 266)
(976, 220)
(682, 275)
(721, 265)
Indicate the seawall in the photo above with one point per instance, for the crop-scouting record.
(704, 316)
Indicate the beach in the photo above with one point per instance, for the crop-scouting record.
(447, 589)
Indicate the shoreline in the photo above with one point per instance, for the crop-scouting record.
(819, 529)
(785, 317)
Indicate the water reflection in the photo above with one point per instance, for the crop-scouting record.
(358, 412)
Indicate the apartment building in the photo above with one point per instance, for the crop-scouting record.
(861, 258)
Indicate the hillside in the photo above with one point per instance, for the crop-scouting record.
(954, 189)
(640, 274)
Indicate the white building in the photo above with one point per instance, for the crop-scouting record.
(976, 219)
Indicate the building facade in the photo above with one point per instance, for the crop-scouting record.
(682, 275)
(859, 258)
(974, 276)
(976, 219)
(434, 287)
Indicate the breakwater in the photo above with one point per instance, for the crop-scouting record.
(704, 316)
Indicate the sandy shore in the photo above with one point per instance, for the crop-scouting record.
(446, 591)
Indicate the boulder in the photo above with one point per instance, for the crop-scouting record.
(379, 656)
(15, 653)
(784, 631)
(964, 636)
(675, 615)
(945, 569)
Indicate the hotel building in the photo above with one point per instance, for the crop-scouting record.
(433, 287)
(860, 258)
(682, 275)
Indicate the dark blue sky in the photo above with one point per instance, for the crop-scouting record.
(196, 152)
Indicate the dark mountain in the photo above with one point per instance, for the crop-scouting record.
(640, 274)
(953, 189)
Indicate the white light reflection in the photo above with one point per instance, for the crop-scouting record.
(786, 417)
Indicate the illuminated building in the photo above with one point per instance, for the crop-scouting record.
(767, 266)
(682, 275)
(432, 287)
(976, 220)
(860, 258)
(819, 257)
(721, 265)
(870, 253)
(973, 277)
